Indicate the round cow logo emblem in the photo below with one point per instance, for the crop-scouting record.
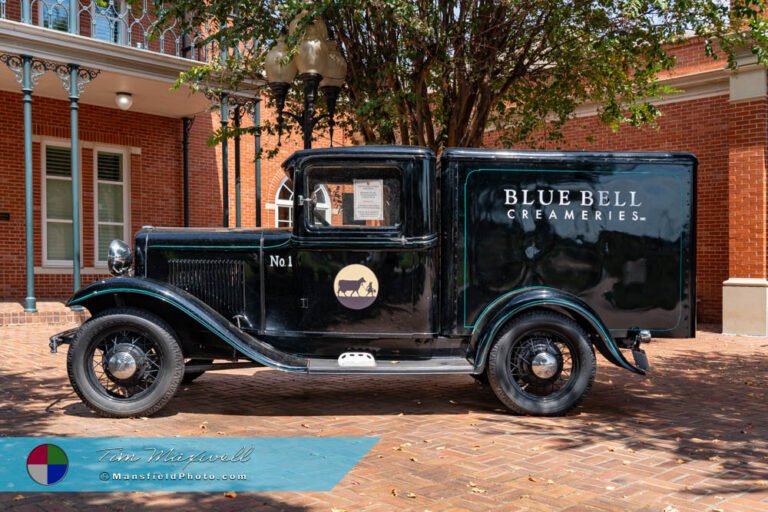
(356, 286)
(47, 464)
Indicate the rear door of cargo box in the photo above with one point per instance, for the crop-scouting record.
(615, 229)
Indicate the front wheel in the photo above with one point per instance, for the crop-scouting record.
(541, 364)
(125, 362)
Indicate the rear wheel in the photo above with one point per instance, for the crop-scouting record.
(125, 362)
(541, 364)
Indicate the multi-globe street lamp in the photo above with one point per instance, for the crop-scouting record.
(318, 63)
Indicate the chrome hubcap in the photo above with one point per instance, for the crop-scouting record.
(125, 361)
(544, 365)
(122, 365)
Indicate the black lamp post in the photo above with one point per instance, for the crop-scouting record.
(319, 65)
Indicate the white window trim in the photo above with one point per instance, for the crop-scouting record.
(285, 203)
(126, 196)
(60, 143)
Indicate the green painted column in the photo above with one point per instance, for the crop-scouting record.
(30, 303)
(257, 126)
(224, 100)
(237, 167)
(74, 12)
(26, 11)
(74, 97)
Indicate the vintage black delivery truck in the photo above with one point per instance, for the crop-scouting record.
(511, 266)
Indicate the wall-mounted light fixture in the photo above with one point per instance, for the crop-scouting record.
(123, 100)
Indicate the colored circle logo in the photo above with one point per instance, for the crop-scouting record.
(47, 464)
(356, 286)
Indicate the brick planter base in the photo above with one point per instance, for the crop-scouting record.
(12, 313)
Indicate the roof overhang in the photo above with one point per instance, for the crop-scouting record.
(146, 74)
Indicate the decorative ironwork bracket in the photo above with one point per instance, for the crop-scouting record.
(83, 76)
(233, 102)
(15, 63)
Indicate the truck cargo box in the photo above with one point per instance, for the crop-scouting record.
(615, 229)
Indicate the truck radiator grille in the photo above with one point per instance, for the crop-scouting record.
(219, 283)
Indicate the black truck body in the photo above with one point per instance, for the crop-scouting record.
(500, 264)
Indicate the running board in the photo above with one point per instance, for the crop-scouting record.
(400, 366)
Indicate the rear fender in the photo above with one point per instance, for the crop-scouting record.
(507, 307)
(115, 291)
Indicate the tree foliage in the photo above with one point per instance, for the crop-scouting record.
(441, 73)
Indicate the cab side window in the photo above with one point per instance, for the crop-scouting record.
(360, 197)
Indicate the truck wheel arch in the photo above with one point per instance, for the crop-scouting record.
(507, 308)
(185, 329)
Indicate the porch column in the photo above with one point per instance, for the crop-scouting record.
(74, 79)
(745, 293)
(237, 166)
(30, 303)
(74, 97)
(186, 126)
(257, 153)
(28, 70)
(224, 113)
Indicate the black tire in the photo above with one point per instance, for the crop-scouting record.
(190, 376)
(512, 376)
(160, 363)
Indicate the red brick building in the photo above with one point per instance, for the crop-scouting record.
(131, 162)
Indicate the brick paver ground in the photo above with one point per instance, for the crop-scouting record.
(691, 437)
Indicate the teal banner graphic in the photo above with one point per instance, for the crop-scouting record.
(176, 464)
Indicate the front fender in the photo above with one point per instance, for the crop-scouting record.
(111, 292)
(500, 311)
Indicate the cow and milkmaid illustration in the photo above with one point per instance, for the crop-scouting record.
(356, 286)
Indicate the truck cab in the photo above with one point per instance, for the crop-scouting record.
(513, 267)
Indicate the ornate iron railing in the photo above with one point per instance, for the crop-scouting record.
(131, 24)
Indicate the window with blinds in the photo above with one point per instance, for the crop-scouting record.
(58, 204)
(110, 194)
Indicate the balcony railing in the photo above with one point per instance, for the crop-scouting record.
(115, 21)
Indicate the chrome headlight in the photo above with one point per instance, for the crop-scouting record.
(119, 258)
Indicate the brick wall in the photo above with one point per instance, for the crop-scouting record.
(700, 127)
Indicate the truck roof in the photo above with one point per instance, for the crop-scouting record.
(362, 151)
(505, 154)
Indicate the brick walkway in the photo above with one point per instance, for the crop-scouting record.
(692, 437)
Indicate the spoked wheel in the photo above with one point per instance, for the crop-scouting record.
(542, 364)
(125, 362)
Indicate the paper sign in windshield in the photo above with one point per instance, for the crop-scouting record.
(369, 200)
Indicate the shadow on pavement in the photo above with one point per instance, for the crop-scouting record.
(707, 409)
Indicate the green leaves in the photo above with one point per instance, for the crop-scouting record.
(442, 73)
